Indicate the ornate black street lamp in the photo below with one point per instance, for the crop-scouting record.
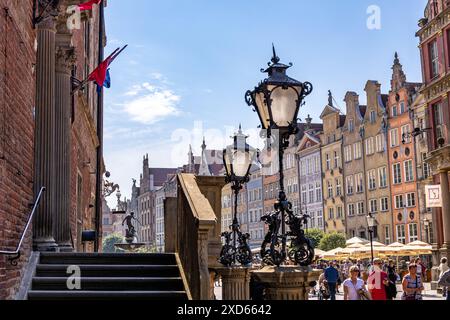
(371, 225)
(277, 100)
(238, 159)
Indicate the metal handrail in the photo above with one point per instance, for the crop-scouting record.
(17, 251)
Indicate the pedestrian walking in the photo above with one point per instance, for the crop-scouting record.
(412, 284)
(378, 281)
(444, 281)
(421, 269)
(331, 278)
(391, 292)
(354, 287)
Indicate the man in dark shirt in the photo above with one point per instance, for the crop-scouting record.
(332, 276)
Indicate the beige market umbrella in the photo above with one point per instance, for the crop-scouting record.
(356, 240)
(332, 254)
(418, 244)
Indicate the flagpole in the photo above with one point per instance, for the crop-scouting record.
(99, 171)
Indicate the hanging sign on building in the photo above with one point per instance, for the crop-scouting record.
(433, 196)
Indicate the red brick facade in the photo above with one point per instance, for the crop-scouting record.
(17, 60)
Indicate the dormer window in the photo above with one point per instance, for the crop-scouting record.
(373, 116)
(394, 111)
(402, 107)
(351, 125)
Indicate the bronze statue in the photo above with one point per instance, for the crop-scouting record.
(131, 231)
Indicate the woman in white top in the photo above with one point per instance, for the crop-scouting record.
(353, 285)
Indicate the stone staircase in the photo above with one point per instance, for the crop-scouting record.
(105, 276)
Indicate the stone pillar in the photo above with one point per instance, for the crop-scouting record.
(43, 239)
(235, 283)
(65, 58)
(443, 175)
(287, 283)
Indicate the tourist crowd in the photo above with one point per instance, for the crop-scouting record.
(378, 281)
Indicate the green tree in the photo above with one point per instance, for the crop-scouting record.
(110, 240)
(315, 235)
(332, 241)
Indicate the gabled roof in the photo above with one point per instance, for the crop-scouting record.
(161, 175)
(342, 120)
(361, 112)
(308, 137)
(328, 110)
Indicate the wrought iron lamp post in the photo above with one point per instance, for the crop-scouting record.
(238, 159)
(277, 101)
(371, 224)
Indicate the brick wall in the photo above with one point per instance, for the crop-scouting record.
(17, 85)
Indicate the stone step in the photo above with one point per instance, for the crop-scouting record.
(106, 295)
(60, 270)
(108, 258)
(110, 284)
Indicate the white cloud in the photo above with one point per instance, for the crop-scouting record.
(151, 103)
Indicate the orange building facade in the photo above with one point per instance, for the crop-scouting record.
(402, 162)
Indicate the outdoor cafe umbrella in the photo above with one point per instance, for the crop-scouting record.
(356, 240)
(331, 254)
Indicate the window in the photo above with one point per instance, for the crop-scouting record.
(360, 207)
(318, 192)
(397, 173)
(311, 193)
(411, 199)
(351, 125)
(337, 160)
(394, 137)
(318, 167)
(380, 143)
(413, 232)
(348, 153)
(330, 213)
(409, 175)
(438, 120)
(359, 183)
(351, 209)
(357, 150)
(399, 202)
(319, 219)
(401, 237)
(369, 146)
(328, 160)
(373, 116)
(371, 179)
(350, 185)
(330, 189)
(425, 166)
(382, 176)
(406, 134)
(303, 194)
(373, 205)
(402, 107)
(434, 59)
(387, 234)
(394, 111)
(338, 187)
(384, 205)
(313, 219)
(339, 212)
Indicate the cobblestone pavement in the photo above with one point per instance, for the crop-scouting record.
(428, 294)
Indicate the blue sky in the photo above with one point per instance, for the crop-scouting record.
(189, 64)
